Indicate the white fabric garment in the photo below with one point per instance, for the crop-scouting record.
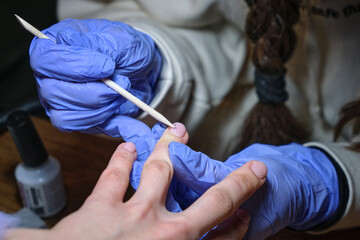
(190, 70)
(204, 49)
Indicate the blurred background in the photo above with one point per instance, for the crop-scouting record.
(17, 84)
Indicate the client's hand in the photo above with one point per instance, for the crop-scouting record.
(104, 215)
(301, 190)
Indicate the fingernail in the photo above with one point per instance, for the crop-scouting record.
(259, 169)
(243, 215)
(129, 146)
(179, 129)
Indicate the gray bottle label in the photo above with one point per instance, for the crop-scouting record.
(44, 200)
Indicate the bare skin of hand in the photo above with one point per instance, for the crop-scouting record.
(105, 215)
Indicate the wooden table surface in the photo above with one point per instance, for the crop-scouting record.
(83, 157)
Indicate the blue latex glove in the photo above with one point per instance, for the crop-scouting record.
(300, 192)
(67, 72)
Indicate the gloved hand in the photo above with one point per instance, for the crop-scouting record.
(300, 192)
(86, 51)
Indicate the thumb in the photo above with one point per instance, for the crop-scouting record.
(195, 169)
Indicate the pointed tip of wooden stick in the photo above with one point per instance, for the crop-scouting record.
(30, 28)
(20, 20)
(171, 125)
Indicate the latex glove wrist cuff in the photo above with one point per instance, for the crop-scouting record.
(348, 162)
(344, 196)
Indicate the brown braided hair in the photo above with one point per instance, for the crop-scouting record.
(349, 113)
(269, 27)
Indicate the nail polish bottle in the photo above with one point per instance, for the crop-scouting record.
(39, 174)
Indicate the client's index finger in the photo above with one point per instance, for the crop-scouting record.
(158, 170)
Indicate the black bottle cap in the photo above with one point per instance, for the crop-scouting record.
(26, 138)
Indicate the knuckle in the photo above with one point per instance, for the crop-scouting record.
(160, 167)
(122, 156)
(223, 200)
(114, 174)
(241, 184)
